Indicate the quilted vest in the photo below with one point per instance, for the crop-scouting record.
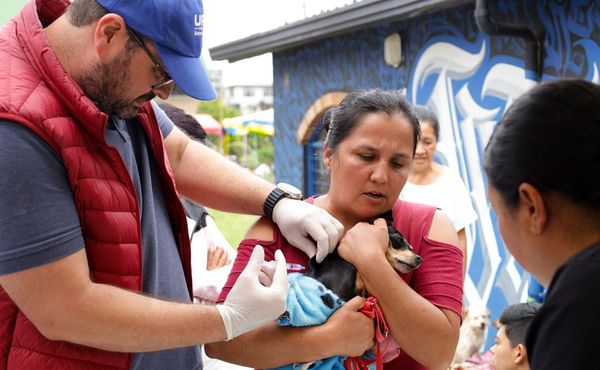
(37, 92)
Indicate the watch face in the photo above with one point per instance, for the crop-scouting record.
(292, 191)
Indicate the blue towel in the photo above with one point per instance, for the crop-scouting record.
(310, 303)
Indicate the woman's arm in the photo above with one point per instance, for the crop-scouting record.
(425, 332)
(347, 332)
(462, 243)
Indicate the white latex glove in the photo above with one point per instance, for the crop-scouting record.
(298, 220)
(266, 273)
(249, 303)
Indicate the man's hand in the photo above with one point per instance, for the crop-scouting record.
(300, 220)
(249, 303)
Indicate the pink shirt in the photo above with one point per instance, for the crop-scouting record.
(439, 279)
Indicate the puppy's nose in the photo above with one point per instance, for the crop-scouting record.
(418, 259)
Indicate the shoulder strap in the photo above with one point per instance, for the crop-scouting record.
(196, 212)
(201, 220)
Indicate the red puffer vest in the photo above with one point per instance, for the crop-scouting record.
(37, 92)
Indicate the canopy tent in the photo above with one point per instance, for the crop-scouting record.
(209, 124)
(258, 122)
(237, 130)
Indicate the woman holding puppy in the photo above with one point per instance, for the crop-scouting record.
(369, 148)
(543, 167)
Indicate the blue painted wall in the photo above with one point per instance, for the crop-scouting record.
(469, 78)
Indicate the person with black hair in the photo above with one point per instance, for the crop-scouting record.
(211, 253)
(185, 122)
(543, 169)
(435, 184)
(368, 151)
(509, 348)
(508, 351)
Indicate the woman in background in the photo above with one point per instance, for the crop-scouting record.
(437, 185)
(543, 168)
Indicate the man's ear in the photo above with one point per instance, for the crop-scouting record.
(533, 207)
(520, 354)
(110, 36)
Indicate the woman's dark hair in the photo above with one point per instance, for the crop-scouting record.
(550, 138)
(426, 114)
(186, 122)
(339, 121)
(516, 319)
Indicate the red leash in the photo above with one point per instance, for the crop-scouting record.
(372, 310)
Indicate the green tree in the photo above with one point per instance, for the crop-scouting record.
(217, 110)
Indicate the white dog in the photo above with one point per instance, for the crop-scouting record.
(472, 332)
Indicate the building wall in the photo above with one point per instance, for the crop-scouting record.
(468, 77)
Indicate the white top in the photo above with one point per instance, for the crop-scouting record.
(207, 284)
(448, 193)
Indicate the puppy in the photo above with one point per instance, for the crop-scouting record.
(472, 332)
(342, 278)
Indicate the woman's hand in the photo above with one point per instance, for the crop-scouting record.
(352, 332)
(364, 242)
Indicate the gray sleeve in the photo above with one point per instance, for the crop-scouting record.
(38, 218)
(164, 122)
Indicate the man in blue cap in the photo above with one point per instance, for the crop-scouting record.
(94, 254)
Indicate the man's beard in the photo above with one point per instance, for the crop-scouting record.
(105, 83)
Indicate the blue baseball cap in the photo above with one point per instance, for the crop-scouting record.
(176, 27)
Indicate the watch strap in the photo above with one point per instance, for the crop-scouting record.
(274, 196)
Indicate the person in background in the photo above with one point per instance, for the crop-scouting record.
(437, 185)
(94, 253)
(509, 348)
(508, 352)
(212, 256)
(542, 164)
(368, 150)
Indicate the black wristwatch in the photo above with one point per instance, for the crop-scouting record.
(282, 190)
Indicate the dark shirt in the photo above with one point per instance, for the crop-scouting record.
(564, 334)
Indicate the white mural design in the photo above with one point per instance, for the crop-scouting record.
(451, 80)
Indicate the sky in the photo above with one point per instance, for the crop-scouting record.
(230, 20)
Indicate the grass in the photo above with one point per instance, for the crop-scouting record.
(233, 226)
